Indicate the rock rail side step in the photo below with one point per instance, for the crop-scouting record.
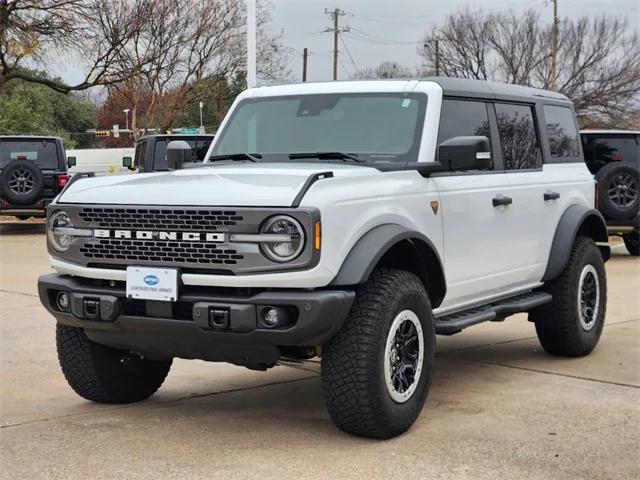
(496, 311)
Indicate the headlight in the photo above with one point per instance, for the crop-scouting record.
(59, 241)
(283, 251)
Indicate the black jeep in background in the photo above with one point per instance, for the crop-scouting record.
(613, 156)
(32, 173)
(151, 151)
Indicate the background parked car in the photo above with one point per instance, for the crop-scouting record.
(613, 156)
(151, 151)
(100, 160)
(32, 172)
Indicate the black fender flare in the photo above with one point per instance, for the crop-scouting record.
(576, 219)
(373, 245)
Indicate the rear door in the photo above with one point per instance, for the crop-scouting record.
(489, 244)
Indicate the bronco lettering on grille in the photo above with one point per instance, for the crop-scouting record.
(160, 235)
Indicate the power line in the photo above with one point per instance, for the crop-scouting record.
(346, 48)
(356, 33)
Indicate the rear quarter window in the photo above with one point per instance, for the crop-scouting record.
(562, 132)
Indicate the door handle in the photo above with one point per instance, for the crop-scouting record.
(551, 196)
(502, 201)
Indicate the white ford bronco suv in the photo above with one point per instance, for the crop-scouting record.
(352, 221)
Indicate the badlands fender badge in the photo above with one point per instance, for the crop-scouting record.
(434, 207)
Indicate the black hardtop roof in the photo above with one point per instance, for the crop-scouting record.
(30, 137)
(464, 87)
(180, 135)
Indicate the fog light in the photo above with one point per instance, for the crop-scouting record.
(62, 300)
(270, 317)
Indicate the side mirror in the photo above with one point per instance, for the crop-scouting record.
(465, 153)
(178, 152)
(127, 162)
(71, 162)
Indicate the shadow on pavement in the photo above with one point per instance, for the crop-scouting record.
(21, 228)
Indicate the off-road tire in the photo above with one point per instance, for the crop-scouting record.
(632, 242)
(606, 179)
(558, 322)
(353, 377)
(35, 174)
(103, 374)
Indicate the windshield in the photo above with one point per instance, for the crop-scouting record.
(373, 126)
(199, 147)
(44, 153)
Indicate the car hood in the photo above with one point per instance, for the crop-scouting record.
(266, 184)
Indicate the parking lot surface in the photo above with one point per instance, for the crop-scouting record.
(499, 407)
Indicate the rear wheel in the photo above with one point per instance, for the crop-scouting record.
(106, 375)
(376, 371)
(632, 242)
(571, 324)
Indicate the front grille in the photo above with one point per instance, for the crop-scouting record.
(174, 220)
(160, 251)
(156, 235)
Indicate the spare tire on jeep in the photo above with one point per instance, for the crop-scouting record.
(21, 182)
(618, 190)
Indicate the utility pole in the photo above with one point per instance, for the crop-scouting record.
(305, 56)
(554, 45)
(251, 43)
(437, 54)
(335, 15)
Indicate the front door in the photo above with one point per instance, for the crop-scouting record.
(491, 218)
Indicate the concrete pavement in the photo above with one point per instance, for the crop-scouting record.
(499, 406)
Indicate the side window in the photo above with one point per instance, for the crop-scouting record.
(520, 146)
(160, 155)
(202, 147)
(562, 131)
(463, 118)
(138, 160)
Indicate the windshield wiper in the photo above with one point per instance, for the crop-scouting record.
(328, 156)
(253, 157)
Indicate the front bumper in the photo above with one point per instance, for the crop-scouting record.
(185, 328)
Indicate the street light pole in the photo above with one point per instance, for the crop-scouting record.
(126, 117)
(201, 124)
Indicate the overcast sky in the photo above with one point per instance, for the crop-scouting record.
(384, 30)
(393, 29)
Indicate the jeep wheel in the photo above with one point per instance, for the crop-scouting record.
(572, 322)
(376, 371)
(21, 182)
(106, 375)
(632, 242)
(618, 191)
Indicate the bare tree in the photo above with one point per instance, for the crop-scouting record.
(385, 70)
(186, 50)
(96, 31)
(598, 60)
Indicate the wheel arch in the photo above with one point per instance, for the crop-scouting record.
(577, 220)
(394, 246)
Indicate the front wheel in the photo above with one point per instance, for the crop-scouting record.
(376, 371)
(104, 374)
(571, 324)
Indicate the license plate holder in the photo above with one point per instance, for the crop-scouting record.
(151, 283)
